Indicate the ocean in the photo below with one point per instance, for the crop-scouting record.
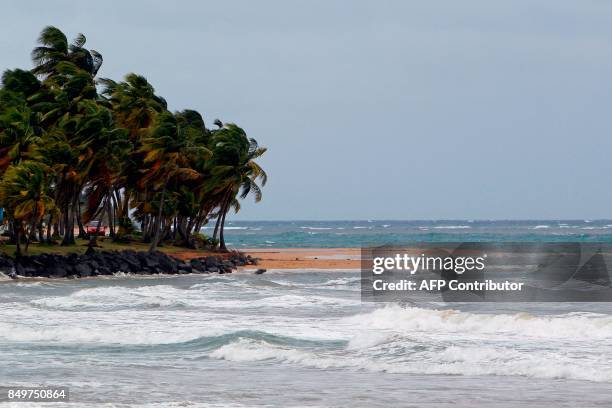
(340, 234)
(303, 338)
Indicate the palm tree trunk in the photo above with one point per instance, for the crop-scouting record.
(217, 224)
(31, 231)
(219, 216)
(109, 214)
(17, 241)
(155, 241)
(82, 232)
(222, 246)
(68, 226)
(41, 235)
(49, 230)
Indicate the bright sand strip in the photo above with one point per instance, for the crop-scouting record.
(291, 258)
(306, 258)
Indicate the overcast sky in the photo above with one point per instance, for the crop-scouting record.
(377, 109)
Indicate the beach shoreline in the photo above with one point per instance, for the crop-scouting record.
(106, 263)
(296, 258)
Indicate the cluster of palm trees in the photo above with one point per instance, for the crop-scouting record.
(74, 148)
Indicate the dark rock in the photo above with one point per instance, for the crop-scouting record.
(103, 270)
(58, 271)
(72, 258)
(124, 267)
(212, 261)
(185, 268)
(147, 261)
(5, 261)
(198, 265)
(83, 270)
(167, 264)
(110, 262)
(260, 271)
(132, 260)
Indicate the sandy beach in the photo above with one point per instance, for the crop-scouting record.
(295, 258)
(307, 258)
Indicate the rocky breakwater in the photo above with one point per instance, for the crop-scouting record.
(112, 262)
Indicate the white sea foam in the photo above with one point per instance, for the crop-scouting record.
(227, 228)
(4, 277)
(454, 360)
(88, 334)
(452, 227)
(342, 281)
(573, 326)
(285, 319)
(316, 228)
(115, 296)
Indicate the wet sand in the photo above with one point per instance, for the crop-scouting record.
(307, 258)
(294, 258)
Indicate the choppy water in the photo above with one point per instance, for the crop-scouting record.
(295, 338)
(254, 234)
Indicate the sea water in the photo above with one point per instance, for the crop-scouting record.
(320, 234)
(301, 338)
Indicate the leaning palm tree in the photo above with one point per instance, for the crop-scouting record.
(19, 132)
(54, 49)
(24, 193)
(166, 157)
(135, 108)
(235, 171)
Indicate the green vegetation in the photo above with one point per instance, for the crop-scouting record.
(74, 147)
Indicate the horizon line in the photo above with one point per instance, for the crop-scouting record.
(469, 220)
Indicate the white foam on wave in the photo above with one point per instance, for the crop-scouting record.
(4, 277)
(454, 360)
(296, 301)
(247, 350)
(115, 296)
(586, 326)
(72, 334)
(452, 227)
(210, 295)
(316, 228)
(338, 283)
(227, 228)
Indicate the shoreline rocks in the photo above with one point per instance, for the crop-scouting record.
(104, 263)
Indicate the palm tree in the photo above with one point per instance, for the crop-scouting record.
(135, 107)
(119, 149)
(54, 49)
(234, 171)
(24, 191)
(18, 134)
(166, 151)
